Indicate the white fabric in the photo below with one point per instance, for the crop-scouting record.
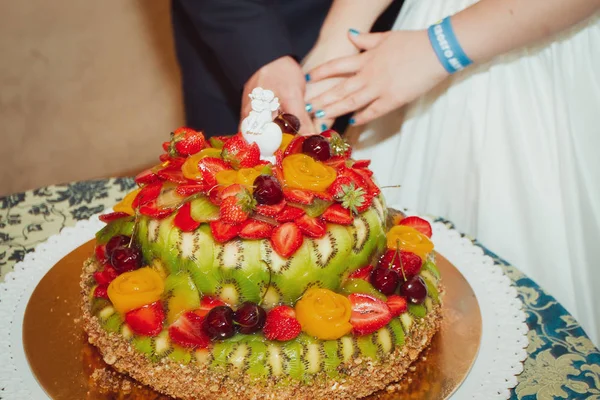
(510, 152)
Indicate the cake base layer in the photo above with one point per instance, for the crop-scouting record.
(359, 377)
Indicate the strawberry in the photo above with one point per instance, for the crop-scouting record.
(337, 214)
(278, 173)
(295, 146)
(298, 196)
(113, 216)
(286, 239)
(323, 196)
(239, 153)
(370, 186)
(152, 210)
(209, 167)
(187, 331)
(419, 224)
(101, 291)
(270, 210)
(146, 177)
(185, 142)
(165, 146)
(147, 194)
(397, 304)
(172, 174)
(146, 320)
(289, 213)
(253, 229)
(223, 231)
(335, 189)
(188, 190)
(183, 220)
(106, 276)
(214, 195)
(362, 273)
(367, 203)
(368, 314)
(361, 164)
(218, 141)
(312, 227)
(208, 303)
(100, 252)
(281, 324)
(403, 262)
(278, 157)
(232, 190)
(336, 162)
(354, 198)
(235, 209)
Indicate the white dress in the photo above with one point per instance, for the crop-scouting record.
(510, 152)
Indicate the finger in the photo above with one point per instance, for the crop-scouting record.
(375, 110)
(352, 102)
(321, 125)
(337, 93)
(339, 66)
(295, 105)
(366, 41)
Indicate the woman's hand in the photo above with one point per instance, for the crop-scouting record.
(395, 68)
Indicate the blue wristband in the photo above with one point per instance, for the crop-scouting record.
(446, 47)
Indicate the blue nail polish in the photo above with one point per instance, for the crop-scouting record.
(307, 77)
(323, 127)
(353, 31)
(352, 121)
(308, 107)
(320, 114)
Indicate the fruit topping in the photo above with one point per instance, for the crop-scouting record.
(172, 175)
(414, 290)
(114, 242)
(106, 276)
(361, 164)
(404, 263)
(317, 147)
(270, 210)
(152, 210)
(188, 331)
(185, 142)
(222, 231)
(324, 314)
(146, 320)
(289, 213)
(299, 196)
(286, 239)
(134, 289)
(146, 195)
(355, 285)
(338, 215)
(295, 146)
(209, 167)
(188, 190)
(243, 176)
(147, 176)
(385, 280)
(397, 304)
(312, 227)
(183, 220)
(419, 224)
(236, 209)
(113, 216)
(362, 273)
(303, 172)
(281, 324)
(250, 318)
(285, 141)
(253, 229)
(354, 198)
(409, 239)
(368, 314)
(218, 323)
(337, 144)
(288, 123)
(239, 153)
(101, 291)
(100, 253)
(267, 190)
(125, 259)
(208, 303)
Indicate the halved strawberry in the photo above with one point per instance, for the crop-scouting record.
(208, 303)
(397, 304)
(214, 195)
(188, 190)
(100, 252)
(237, 208)
(113, 216)
(253, 229)
(173, 175)
(323, 196)
(278, 173)
(368, 314)
(147, 176)
(286, 239)
(298, 196)
(152, 210)
(106, 276)
(187, 331)
(281, 324)
(419, 224)
(370, 186)
(295, 146)
(368, 201)
(270, 210)
(239, 153)
(209, 167)
(278, 157)
(312, 227)
(101, 291)
(289, 213)
(147, 194)
(361, 164)
(363, 273)
(336, 188)
(336, 162)
(337, 214)
(232, 190)
(403, 262)
(183, 220)
(146, 320)
(223, 231)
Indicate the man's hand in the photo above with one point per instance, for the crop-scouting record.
(285, 78)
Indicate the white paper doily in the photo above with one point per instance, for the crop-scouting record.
(500, 356)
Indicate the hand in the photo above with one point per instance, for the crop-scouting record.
(286, 79)
(396, 68)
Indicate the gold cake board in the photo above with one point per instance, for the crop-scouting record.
(63, 362)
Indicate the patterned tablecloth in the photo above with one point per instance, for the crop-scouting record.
(563, 363)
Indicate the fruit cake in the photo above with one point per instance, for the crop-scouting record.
(225, 276)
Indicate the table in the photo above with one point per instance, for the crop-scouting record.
(563, 363)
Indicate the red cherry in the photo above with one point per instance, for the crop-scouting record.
(317, 147)
(385, 280)
(288, 123)
(267, 190)
(414, 289)
(125, 259)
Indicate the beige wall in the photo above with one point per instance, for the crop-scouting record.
(87, 89)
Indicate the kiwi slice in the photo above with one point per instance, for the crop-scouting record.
(331, 358)
(180, 355)
(181, 294)
(431, 267)
(275, 355)
(143, 344)
(418, 310)
(294, 367)
(356, 285)
(347, 348)
(237, 358)
(200, 264)
(366, 346)
(432, 290)
(316, 208)
(216, 142)
(384, 340)
(202, 210)
(257, 359)
(121, 226)
(221, 352)
(407, 320)
(395, 327)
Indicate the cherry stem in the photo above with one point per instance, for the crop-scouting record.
(397, 253)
